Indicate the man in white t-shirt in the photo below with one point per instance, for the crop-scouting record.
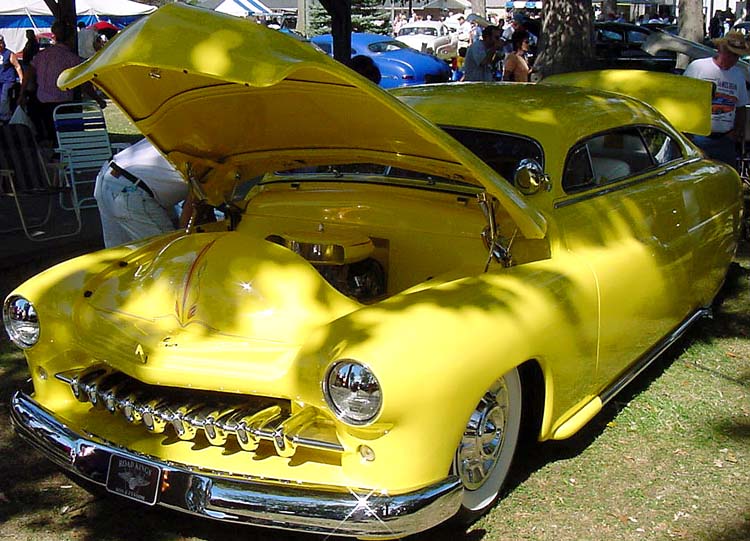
(730, 93)
(136, 193)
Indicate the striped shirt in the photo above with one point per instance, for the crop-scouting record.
(49, 64)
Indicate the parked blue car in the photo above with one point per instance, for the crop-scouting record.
(399, 64)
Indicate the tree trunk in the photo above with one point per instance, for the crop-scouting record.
(63, 10)
(341, 28)
(479, 7)
(691, 25)
(566, 43)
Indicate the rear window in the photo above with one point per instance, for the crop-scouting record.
(501, 151)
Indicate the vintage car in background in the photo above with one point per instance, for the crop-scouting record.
(620, 45)
(431, 37)
(399, 64)
(407, 280)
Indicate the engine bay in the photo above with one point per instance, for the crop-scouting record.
(346, 261)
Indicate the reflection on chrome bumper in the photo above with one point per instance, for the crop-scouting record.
(323, 510)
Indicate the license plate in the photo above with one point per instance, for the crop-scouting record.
(133, 479)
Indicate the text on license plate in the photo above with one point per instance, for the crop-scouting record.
(133, 479)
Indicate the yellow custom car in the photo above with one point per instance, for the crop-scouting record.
(405, 280)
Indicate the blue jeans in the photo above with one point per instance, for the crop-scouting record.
(5, 89)
(723, 149)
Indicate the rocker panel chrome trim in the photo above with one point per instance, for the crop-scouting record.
(326, 510)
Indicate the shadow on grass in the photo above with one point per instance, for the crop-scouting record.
(31, 483)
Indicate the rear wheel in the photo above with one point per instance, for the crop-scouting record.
(486, 450)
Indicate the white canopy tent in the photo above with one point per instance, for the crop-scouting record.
(243, 8)
(16, 16)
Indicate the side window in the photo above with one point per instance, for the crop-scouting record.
(611, 156)
(610, 36)
(578, 174)
(661, 146)
(637, 36)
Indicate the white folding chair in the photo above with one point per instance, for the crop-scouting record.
(84, 146)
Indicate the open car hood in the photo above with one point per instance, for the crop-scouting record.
(226, 100)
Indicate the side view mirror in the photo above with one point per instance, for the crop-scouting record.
(529, 177)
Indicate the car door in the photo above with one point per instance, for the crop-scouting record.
(621, 216)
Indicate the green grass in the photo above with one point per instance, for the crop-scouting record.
(121, 129)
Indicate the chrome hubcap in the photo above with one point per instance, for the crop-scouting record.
(483, 438)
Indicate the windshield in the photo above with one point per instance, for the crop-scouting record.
(418, 30)
(503, 152)
(379, 173)
(386, 46)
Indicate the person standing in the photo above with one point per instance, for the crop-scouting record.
(464, 32)
(136, 193)
(516, 67)
(86, 39)
(480, 62)
(9, 70)
(30, 48)
(44, 71)
(730, 92)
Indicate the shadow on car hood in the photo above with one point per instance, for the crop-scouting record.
(226, 100)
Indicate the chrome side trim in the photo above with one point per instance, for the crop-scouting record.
(652, 355)
(325, 510)
(248, 419)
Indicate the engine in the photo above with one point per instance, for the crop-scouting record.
(346, 261)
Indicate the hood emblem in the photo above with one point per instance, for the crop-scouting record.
(142, 355)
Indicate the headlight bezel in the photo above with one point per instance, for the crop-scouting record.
(358, 373)
(23, 338)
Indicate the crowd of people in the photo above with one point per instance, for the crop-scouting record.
(487, 52)
(31, 82)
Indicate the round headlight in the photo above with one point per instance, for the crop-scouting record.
(353, 392)
(21, 322)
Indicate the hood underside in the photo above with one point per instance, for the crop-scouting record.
(226, 100)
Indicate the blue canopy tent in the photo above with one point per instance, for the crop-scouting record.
(16, 16)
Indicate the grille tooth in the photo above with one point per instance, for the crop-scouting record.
(219, 415)
(248, 427)
(185, 430)
(285, 436)
(80, 384)
(156, 415)
(215, 425)
(131, 407)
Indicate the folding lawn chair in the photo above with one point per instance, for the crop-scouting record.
(24, 177)
(84, 146)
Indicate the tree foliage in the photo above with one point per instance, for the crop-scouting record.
(367, 16)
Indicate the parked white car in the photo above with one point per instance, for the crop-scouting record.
(431, 37)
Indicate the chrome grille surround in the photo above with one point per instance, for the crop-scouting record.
(218, 416)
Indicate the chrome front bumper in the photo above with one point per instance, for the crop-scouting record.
(325, 510)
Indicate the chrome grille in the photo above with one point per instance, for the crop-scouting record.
(218, 416)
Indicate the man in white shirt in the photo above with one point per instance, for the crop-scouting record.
(136, 193)
(729, 94)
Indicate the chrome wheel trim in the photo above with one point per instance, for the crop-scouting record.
(486, 450)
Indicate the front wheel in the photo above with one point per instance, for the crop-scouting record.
(486, 450)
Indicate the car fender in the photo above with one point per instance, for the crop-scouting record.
(436, 351)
